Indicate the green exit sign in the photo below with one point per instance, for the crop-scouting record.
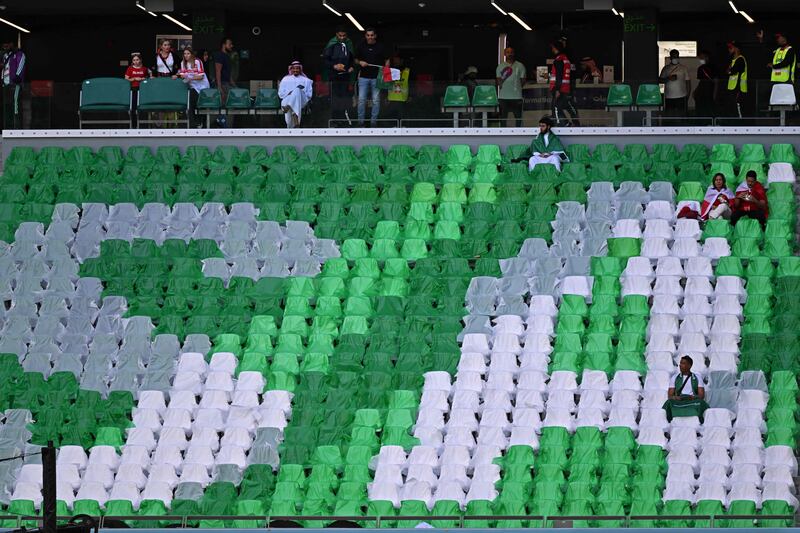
(639, 24)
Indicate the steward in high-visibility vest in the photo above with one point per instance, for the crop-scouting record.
(737, 80)
(561, 85)
(784, 61)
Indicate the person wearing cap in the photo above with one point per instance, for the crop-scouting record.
(546, 148)
(510, 76)
(295, 91)
(469, 78)
(561, 85)
(737, 80)
(784, 61)
(677, 84)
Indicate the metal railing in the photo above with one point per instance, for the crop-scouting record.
(54, 106)
(462, 521)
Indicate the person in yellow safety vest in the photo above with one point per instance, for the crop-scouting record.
(397, 94)
(784, 61)
(737, 80)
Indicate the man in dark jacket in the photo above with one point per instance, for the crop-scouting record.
(13, 78)
(338, 59)
(706, 91)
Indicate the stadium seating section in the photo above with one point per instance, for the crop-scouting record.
(395, 332)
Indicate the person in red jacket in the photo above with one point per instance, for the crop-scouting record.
(561, 86)
(750, 200)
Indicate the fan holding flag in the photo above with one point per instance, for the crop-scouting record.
(373, 60)
(510, 76)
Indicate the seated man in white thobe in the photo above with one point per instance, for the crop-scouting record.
(546, 148)
(295, 91)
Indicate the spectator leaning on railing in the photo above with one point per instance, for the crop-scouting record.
(193, 73)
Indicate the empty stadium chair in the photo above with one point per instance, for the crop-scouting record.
(484, 101)
(104, 95)
(455, 343)
(209, 102)
(783, 99)
(620, 99)
(649, 99)
(455, 101)
(162, 95)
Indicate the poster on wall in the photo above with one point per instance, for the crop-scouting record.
(179, 42)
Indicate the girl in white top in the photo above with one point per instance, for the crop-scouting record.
(191, 71)
(165, 60)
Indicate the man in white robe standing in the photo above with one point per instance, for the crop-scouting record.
(546, 148)
(295, 91)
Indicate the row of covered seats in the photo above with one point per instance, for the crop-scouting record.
(455, 155)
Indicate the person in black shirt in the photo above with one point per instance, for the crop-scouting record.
(370, 56)
(338, 59)
(704, 93)
(222, 73)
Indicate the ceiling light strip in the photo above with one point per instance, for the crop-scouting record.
(747, 17)
(500, 9)
(325, 4)
(520, 21)
(733, 6)
(176, 21)
(354, 21)
(20, 28)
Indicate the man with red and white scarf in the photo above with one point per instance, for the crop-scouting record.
(13, 78)
(561, 86)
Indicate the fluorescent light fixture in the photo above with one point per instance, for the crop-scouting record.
(733, 6)
(500, 9)
(614, 10)
(622, 14)
(151, 14)
(20, 28)
(354, 21)
(176, 21)
(520, 21)
(140, 6)
(325, 4)
(747, 17)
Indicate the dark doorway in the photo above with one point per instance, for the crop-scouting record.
(431, 72)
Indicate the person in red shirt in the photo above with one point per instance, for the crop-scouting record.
(750, 200)
(136, 74)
